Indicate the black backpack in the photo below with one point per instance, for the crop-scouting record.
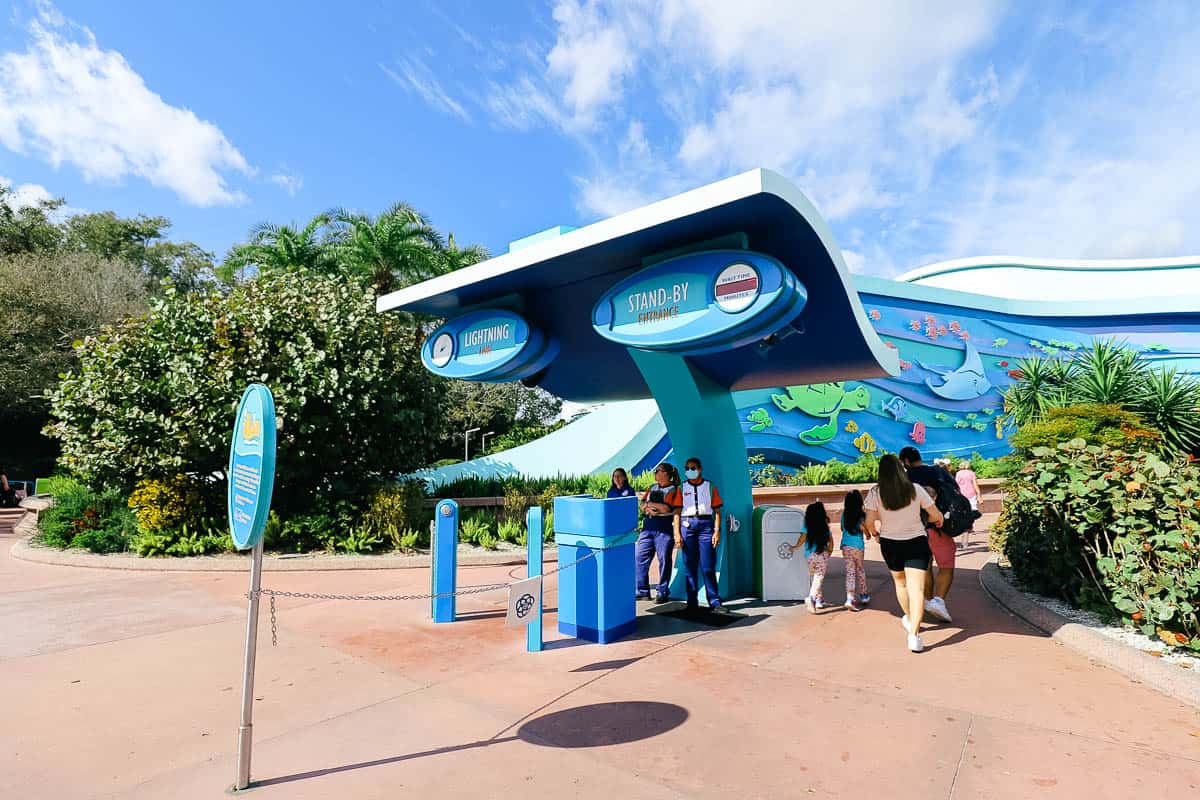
(957, 514)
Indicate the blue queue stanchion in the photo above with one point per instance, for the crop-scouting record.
(534, 536)
(445, 560)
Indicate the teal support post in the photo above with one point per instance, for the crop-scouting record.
(534, 536)
(702, 421)
(445, 560)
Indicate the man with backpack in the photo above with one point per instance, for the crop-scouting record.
(957, 517)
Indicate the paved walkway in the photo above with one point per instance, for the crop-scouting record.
(121, 684)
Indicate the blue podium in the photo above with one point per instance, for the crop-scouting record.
(596, 597)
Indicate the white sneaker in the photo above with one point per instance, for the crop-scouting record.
(904, 622)
(937, 607)
(914, 643)
(850, 604)
(812, 605)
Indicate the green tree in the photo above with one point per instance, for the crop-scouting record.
(29, 229)
(497, 408)
(50, 301)
(156, 396)
(142, 241)
(277, 247)
(396, 248)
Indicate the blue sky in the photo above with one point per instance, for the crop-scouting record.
(922, 131)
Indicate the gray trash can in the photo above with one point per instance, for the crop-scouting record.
(783, 574)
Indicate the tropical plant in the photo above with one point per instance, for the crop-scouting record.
(1110, 373)
(279, 247)
(1095, 424)
(393, 249)
(1114, 531)
(1170, 403)
(80, 517)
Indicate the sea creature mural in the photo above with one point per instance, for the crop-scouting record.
(905, 364)
(971, 415)
(915, 325)
(988, 411)
(822, 400)
(897, 407)
(851, 427)
(917, 434)
(761, 419)
(874, 314)
(979, 426)
(865, 443)
(962, 423)
(941, 416)
(1155, 347)
(999, 427)
(963, 383)
(999, 342)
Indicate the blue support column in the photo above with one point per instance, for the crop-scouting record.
(702, 421)
(534, 536)
(445, 559)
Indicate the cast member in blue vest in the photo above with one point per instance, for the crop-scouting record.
(620, 485)
(698, 531)
(658, 533)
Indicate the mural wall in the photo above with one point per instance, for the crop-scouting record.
(955, 364)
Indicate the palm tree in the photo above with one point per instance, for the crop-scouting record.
(285, 247)
(455, 257)
(396, 248)
(1170, 403)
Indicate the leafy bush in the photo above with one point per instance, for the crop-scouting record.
(1111, 531)
(475, 527)
(864, 470)
(511, 531)
(188, 539)
(80, 517)
(164, 504)
(815, 475)
(393, 512)
(156, 396)
(1107, 425)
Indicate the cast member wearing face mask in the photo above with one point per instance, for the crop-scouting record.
(697, 507)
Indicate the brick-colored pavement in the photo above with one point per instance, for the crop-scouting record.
(121, 684)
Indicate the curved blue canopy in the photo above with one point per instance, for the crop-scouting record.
(555, 283)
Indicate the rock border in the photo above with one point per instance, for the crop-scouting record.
(1177, 683)
(25, 550)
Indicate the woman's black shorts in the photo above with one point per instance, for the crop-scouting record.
(901, 553)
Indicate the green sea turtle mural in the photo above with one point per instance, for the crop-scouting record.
(761, 419)
(825, 401)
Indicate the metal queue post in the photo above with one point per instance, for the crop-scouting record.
(251, 483)
(535, 534)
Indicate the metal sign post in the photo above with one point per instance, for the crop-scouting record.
(246, 728)
(534, 534)
(251, 483)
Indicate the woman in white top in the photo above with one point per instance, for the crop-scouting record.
(894, 509)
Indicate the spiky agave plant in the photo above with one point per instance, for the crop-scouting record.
(1109, 373)
(1044, 384)
(1170, 403)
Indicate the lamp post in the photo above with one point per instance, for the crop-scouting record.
(467, 443)
(483, 441)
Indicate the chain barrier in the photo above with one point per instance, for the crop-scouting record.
(489, 587)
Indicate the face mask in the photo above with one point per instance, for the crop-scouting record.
(692, 474)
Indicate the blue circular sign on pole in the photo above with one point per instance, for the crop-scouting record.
(252, 466)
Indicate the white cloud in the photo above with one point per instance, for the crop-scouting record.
(414, 76)
(928, 130)
(24, 195)
(67, 100)
(289, 183)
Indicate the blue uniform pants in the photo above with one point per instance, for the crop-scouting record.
(700, 559)
(649, 545)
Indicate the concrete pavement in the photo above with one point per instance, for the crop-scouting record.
(120, 684)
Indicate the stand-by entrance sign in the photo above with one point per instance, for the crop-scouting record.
(252, 466)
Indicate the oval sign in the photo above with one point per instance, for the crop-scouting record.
(252, 466)
(700, 303)
(490, 346)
